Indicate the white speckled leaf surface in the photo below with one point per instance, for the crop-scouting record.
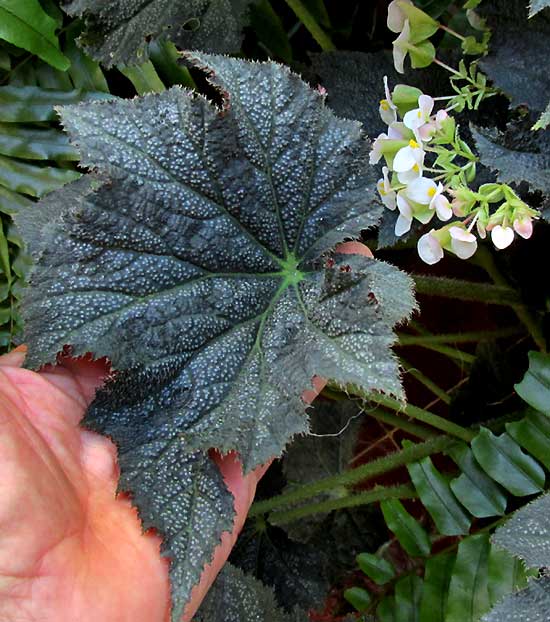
(192, 260)
(117, 30)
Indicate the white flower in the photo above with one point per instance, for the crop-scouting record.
(396, 15)
(429, 248)
(425, 132)
(376, 151)
(463, 243)
(397, 131)
(427, 192)
(408, 162)
(419, 116)
(523, 226)
(404, 221)
(387, 110)
(401, 47)
(386, 192)
(502, 236)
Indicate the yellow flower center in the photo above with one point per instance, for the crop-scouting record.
(431, 192)
(413, 144)
(419, 114)
(415, 168)
(384, 104)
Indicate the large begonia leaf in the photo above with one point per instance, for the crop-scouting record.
(515, 162)
(237, 597)
(527, 533)
(194, 260)
(117, 30)
(518, 58)
(537, 5)
(529, 605)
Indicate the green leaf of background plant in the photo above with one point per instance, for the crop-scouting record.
(437, 577)
(376, 568)
(407, 529)
(194, 264)
(533, 434)
(25, 24)
(477, 492)
(468, 597)
(534, 388)
(438, 498)
(502, 459)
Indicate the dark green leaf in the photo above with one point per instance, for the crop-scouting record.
(84, 72)
(533, 434)
(535, 385)
(269, 29)
(358, 598)
(438, 498)
(527, 533)
(502, 459)
(236, 597)
(144, 78)
(29, 103)
(25, 24)
(49, 78)
(117, 30)
(506, 574)
(35, 143)
(376, 568)
(513, 165)
(477, 492)
(193, 264)
(529, 605)
(31, 179)
(437, 577)
(386, 611)
(12, 202)
(468, 596)
(408, 592)
(407, 529)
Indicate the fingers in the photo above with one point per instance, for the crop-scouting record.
(15, 358)
(354, 248)
(243, 488)
(78, 377)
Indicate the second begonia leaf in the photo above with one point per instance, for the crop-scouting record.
(195, 259)
(117, 30)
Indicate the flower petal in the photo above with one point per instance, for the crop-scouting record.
(402, 225)
(442, 207)
(426, 105)
(396, 17)
(419, 190)
(462, 235)
(429, 249)
(523, 227)
(502, 236)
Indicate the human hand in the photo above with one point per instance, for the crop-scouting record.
(70, 549)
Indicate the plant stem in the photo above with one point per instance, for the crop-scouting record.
(452, 32)
(440, 423)
(415, 340)
(399, 422)
(485, 260)
(466, 290)
(454, 353)
(354, 476)
(380, 493)
(311, 24)
(447, 67)
(427, 382)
